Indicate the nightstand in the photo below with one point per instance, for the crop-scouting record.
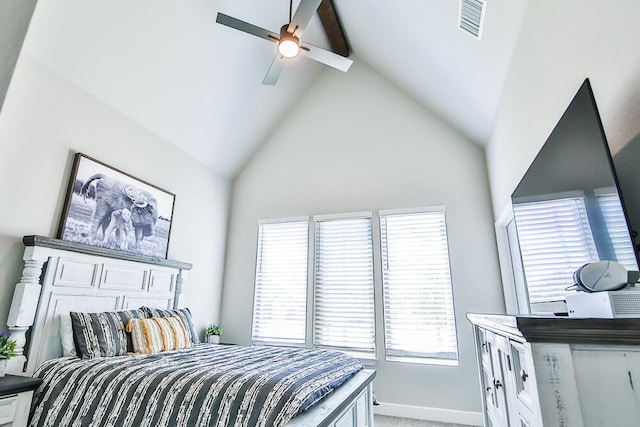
(15, 399)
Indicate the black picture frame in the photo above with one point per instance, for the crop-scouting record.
(108, 208)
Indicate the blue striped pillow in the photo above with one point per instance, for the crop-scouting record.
(103, 334)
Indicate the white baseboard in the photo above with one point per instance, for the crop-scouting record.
(431, 414)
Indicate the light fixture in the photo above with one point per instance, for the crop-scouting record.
(289, 45)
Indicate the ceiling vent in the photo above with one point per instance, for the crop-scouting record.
(471, 16)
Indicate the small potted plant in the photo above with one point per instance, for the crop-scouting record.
(212, 333)
(7, 350)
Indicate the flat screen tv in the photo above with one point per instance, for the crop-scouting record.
(567, 207)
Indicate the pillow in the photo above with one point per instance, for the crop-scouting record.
(102, 334)
(183, 313)
(66, 336)
(158, 334)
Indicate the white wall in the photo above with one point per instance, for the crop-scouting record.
(15, 16)
(357, 143)
(560, 44)
(44, 122)
(626, 164)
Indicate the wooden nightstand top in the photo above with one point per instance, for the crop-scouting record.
(10, 384)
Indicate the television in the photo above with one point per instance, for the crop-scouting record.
(568, 208)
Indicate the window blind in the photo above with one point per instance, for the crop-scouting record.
(618, 230)
(343, 286)
(418, 300)
(280, 296)
(555, 240)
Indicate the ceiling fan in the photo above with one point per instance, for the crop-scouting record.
(289, 44)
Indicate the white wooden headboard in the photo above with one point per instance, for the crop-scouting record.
(60, 276)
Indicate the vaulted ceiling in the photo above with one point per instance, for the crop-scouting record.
(169, 67)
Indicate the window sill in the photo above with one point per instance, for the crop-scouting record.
(368, 362)
(422, 361)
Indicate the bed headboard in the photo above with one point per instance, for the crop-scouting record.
(60, 276)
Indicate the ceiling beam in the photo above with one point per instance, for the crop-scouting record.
(332, 27)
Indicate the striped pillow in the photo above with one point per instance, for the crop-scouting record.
(158, 334)
(183, 313)
(102, 334)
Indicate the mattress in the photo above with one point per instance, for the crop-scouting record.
(206, 385)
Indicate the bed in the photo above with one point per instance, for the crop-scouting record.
(210, 384)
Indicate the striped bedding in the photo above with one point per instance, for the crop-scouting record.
(206, 385)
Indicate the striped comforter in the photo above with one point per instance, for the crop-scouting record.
(207, 385)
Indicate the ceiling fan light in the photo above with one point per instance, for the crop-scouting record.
(288, 48)
(289, 45)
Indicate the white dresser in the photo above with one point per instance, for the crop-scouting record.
(15, 399)
(558, 371)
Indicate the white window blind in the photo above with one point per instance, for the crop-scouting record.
(344, 302)
(618, 230)
(280, 296)
(555, 240)
(418, 300)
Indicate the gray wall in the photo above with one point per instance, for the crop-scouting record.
(560, 44)
(45, 120)
(626, 164)
(356, 143)
(14, 21)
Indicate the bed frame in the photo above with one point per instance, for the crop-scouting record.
(60, 276)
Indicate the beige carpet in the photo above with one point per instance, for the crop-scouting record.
(384, 421)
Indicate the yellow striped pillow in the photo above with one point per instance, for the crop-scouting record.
(158, 334)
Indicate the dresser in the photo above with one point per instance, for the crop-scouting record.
(558, 371)
(15, 399)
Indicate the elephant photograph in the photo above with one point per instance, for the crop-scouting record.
(108, 208)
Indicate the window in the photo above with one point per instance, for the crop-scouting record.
(280, 296)
(418, 300)
(340, 311)
(616, 223)
(555, 240)
(344, 316)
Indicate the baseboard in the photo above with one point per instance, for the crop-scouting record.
(431, 414)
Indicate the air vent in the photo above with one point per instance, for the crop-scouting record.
(471, 16)
(625, 304)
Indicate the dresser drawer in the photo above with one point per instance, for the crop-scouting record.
(524, 376)
(8, 408)
(485, 350)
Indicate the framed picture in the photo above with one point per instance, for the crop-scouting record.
(111, 209)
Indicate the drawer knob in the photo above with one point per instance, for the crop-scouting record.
(523, 375)
(497, 384)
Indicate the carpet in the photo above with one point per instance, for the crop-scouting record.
(385, 421)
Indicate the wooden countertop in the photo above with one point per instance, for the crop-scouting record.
(48, 242)
(560, 329)
(10, 384)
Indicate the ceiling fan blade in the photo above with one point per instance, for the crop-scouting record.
(274, 71)
(303, 15)
(324, 56)
(237, 24)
